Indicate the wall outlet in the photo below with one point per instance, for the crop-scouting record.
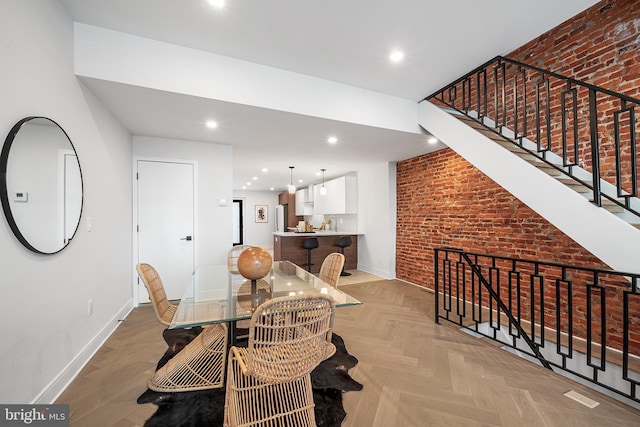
(90, 307)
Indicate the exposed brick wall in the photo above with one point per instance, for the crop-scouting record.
(444, 201)
(599, 46)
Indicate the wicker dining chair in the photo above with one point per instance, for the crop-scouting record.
(269, 381)
(232, 257)
(330, 273)
(199, 365)
(331, 268)
(163, 308)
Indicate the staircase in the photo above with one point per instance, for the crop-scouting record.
(534, 134)
(553, 169)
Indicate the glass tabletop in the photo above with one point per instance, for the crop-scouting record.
(215, 295)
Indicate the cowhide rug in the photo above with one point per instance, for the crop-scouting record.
(206, 408)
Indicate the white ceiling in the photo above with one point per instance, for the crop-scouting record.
(346, 41)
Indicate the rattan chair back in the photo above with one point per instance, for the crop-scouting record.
(287, 337)
(331, 268)
(269, 382)
(232, 257)
(164, 309)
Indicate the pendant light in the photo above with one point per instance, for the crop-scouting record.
(291, 187)
(323, 189)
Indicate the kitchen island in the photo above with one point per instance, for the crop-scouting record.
(288, 246)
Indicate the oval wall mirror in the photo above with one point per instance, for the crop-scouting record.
(41, 185)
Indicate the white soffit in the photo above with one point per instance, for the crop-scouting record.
(123, 58)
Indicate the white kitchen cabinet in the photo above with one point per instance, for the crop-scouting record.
(303, 205)
(300, 201)
(341, 197)
(310, 195)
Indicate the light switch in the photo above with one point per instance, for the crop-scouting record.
(223, 202)
(89, 223)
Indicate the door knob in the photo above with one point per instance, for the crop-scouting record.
(186, 238)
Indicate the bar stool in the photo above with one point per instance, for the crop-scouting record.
(344, 242)
(310, 244)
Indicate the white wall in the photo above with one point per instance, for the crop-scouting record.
(257, 233)
(46, 331)
(214, 182)
(377, 219)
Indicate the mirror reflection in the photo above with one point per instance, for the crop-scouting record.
(42, 185)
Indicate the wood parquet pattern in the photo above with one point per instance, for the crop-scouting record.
(414, 372)
(418, 373)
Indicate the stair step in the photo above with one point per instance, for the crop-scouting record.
(612, 207)
(531, 158)
(507, 144)
(549, 170)
(465, 118)
(575, 185)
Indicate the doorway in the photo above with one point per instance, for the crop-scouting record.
(165, 223)
(238, 222)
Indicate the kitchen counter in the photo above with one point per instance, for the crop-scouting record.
(316, 233)
(288, 246)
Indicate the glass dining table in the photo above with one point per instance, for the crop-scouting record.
(216, 295)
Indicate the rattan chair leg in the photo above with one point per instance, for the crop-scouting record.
(199, 365)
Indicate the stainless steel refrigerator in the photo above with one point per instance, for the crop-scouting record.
(282, 217)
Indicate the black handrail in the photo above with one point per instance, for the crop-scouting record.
(592, 312)
(540, 70)
(590, 122)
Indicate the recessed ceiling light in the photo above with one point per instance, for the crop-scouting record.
(244, 187)
(211, 124)
(332, 140)
(432, 140)
(396, 56)
(272, 189)
(255, 178)
(217, 3)
(248, 183)
(265, 170)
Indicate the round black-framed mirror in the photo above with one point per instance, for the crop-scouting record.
(41, 186)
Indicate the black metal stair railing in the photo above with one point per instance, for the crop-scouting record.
(588, 127)
(581, 320)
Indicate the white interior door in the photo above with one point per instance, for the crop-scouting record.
(166, 209)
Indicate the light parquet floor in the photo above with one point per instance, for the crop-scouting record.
(418, 373)
(414, 372)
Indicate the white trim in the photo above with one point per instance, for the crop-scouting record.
(375, 271)
(54, 389)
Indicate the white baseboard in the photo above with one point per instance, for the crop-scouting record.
(377, 272)
(55, 388)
